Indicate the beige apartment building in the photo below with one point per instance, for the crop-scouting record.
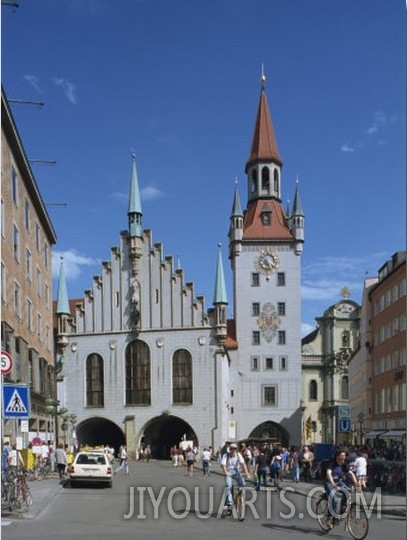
(27, 236)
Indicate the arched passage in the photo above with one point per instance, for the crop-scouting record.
(163, 432)
(270, 430)
(98, 432)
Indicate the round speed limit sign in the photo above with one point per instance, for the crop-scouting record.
(6, 362)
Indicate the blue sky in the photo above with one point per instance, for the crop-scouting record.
(177, 82)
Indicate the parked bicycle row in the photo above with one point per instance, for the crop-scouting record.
(15, 493)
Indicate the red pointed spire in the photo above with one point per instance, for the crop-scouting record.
(264, 146)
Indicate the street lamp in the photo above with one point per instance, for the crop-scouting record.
(50, 406)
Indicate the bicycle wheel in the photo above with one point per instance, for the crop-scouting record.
(357, 522)
(322, 513)
(240, 505)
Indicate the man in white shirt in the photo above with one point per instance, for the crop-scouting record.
(206, 457)
(231, 463)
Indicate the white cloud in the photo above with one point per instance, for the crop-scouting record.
(347, 148)
(150, 193)
(379, 120)
(74, 262)
(34, 82)
(307, 329)
(68, 88)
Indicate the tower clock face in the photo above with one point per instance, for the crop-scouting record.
(268, 261)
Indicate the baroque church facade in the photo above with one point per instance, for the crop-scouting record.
(141, 360)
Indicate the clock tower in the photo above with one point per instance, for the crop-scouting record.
(265, 246)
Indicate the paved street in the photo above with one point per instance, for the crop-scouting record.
(159, 501)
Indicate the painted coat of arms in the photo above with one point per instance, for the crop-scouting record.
(268, 322)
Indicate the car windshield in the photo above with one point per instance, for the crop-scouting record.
(91, 459)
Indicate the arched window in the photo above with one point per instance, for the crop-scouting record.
(313, 390)
(346, 338)
(265, 179)
(276, 181)
(94, 381)
(345, 387)
(254, 181)
(182, 377)
(138, 374)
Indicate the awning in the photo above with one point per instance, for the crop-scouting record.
(394, 433)
(373, 434)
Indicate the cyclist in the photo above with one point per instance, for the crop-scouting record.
(231, 462)
(335, 484)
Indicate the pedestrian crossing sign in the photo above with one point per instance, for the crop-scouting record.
(16, 401)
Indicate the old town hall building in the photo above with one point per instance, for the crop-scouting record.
(141, 360)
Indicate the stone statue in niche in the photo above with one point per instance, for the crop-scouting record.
(135, 299)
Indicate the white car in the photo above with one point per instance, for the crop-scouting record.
(91, 467)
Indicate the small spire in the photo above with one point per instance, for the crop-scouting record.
(297, 206)
(220, 296)
(263, 76)
(62, 295)
(237, 207)
(134, 211)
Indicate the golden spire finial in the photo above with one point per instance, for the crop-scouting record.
(263, 77)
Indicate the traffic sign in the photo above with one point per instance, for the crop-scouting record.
(6, 362)
(344, 411)
(16, 401)
(344, 425)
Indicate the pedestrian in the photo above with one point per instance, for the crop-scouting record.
(361, 469)
(5, 464)
(206, 462)
(307, 460)
(123, 458)
(147, 453)
(275, 468)
(174, 455)
(190, 459)
(261, 468)
(61, 460)
(295, 464)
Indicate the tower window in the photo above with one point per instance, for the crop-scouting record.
(255, 279)
(281, 279)
(281, 308)
(266, 219)
(255, 363)
(281, 338)
(283, 363)
(269, 396)
(255, 337)
(313, 390)
(269, 363)
(254, 181)
(265, 179)
(255, 309)
(276, 190)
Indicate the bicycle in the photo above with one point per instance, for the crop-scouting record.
(15, 492)
(354, 516)
(238, 506)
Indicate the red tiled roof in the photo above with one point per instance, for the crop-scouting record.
(253, 227)
(264, 144)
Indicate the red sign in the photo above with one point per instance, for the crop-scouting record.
(6, 362)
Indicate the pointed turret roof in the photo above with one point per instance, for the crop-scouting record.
(134, 203)
(264, 146)
(220, 296)
(297, 206)
(62, 296)
(237, 207)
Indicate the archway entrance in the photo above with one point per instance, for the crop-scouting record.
(270, 430)
(98, 432)
(163, 432)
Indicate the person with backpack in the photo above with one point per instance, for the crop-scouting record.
(275, 468)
